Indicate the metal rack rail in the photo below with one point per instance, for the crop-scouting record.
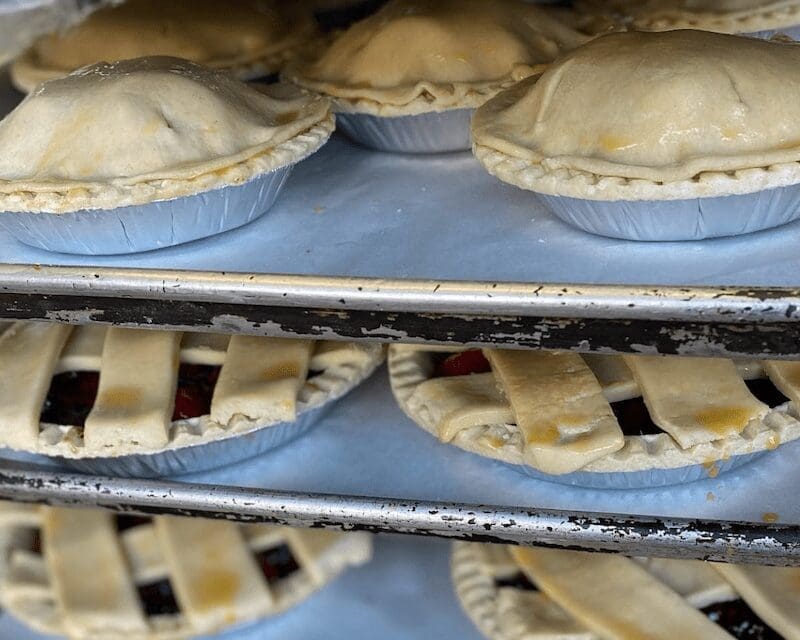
(721, 321)
(639, 535)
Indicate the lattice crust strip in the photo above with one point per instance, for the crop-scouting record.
(262, 381)
(552, 411)
(217, 573)
(516, 593)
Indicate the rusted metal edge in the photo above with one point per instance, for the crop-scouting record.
(632, 535)
(696, 304)
(770, 341)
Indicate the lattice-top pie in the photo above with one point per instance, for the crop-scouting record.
(417, 56)
(145, 130)
(97, 392)
(561, 412)
(91, 575)
(249, 38)
(726, 16)
(516, 593)
(691, 114)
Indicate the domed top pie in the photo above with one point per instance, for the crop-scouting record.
(649, 116)
(725, 16)
(148, 129)
(416, 56)
(246, 37)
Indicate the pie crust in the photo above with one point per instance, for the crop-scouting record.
(692, 114)
(247, 38)
(263, 382)
(211, 566)
(504, 611)
(724, 16)
(417, 56)
(716, 418)
(149, 129)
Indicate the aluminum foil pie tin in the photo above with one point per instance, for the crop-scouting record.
(149, 226)
(199, 457)
(644, 479)
(691, 219)
(793, 32)
(434, 132)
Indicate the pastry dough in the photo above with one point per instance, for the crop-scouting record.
(148, 129)
(132, 413)
(726, 16)
(719, 417)
(416, 56)
(96, 578)
(559, 407)
(695, 400)
(246, 37)
(597, 590)
(690, 114)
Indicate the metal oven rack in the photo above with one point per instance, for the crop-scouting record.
(689, 321)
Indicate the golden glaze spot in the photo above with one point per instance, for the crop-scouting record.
(217, 588)
(120, 398)
(773, 442)
(286, 117)
(281, 371)
(724, 420)
(609, 142)
(770, 517)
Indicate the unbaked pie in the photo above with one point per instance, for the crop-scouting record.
(95, 392)
(249, 38)
(91, 574)
(692, 114)
(548, 594)
(692, 118)
(146, 130)
(726, 16)
(418, 57)
(560, 412)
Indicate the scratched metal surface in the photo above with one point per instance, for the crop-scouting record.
(366, 447)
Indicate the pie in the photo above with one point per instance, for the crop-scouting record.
(245, 37)
(560, 412)
(516, 593)
(691, 114)
(90, 574)
(725, 16)
(147, 130)
(95, 392)
(419, 56)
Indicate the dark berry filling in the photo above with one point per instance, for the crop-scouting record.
(764, 390)
(738, 619)
(517, 581)
(72, 395)
(276, 563)
(461, 364)
(125, 522)
(158, 598)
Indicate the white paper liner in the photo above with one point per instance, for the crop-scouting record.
(691, 219)
(645, 461)
(433, 132)
(189, 452)
(149, 226)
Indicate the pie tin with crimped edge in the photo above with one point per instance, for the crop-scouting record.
(154, 225)
(677, 220)
(205, 456)
(433, 132)
(405, 373)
